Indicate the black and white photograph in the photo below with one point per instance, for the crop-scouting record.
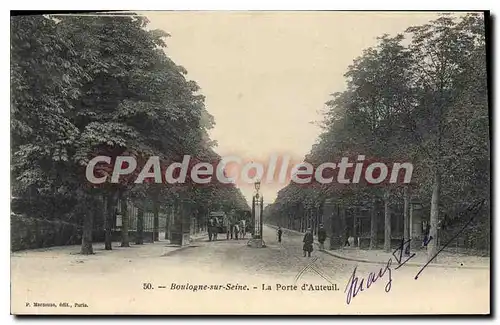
(250, 162)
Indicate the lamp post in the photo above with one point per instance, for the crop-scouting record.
(258, 203)
(258, 216)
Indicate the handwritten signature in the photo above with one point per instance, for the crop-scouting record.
(356, 285)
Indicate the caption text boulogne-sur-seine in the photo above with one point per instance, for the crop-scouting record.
(244, 287)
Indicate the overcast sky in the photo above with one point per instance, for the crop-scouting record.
(266, 75)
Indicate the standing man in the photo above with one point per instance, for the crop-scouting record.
(215, 231)
(280, 232)
(243, 229)
(308, 243)
(210, 229)
(321, 237)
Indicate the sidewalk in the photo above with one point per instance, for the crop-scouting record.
(156, 249)
(444, 259)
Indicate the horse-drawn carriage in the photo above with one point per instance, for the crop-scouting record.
(219, 222)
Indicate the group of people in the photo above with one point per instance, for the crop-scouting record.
(309, 239)
(236, 230)
(233, 230)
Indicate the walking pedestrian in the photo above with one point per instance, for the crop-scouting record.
(280, 232)
(321, 237)
(308, 243)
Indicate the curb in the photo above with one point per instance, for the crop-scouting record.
(339, 256)
(343, 257)
(177, 249)
(181, 248)
(200, 238)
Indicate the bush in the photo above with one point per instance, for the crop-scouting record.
(29, 233)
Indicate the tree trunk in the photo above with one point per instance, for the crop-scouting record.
(156, 220)
(406, 222)
(314, 217)
(105, 214)
(343, 224)
(167, 222)
(335, 223)
(124, 211)
(261, 218)
(87, 232)
(306, 219)
(432, 247)
(387, 221)
(139, 240)
(180, 221)
(373, 234)
(108, 220)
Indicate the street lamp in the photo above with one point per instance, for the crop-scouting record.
(258, 217)
(257, 185)
(257, 207)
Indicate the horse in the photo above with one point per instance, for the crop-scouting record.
(237, 231)
(243, 229)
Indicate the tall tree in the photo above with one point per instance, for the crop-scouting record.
(440, 51)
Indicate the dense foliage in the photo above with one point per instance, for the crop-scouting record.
(421, 97)
(87, 86)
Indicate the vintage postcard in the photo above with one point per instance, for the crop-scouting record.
(250, 163)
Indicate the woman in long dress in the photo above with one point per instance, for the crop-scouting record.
(308, 243)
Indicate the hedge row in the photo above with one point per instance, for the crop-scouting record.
(30, 233)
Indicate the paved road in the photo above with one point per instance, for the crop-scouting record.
(117, 282)
(282, 260)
